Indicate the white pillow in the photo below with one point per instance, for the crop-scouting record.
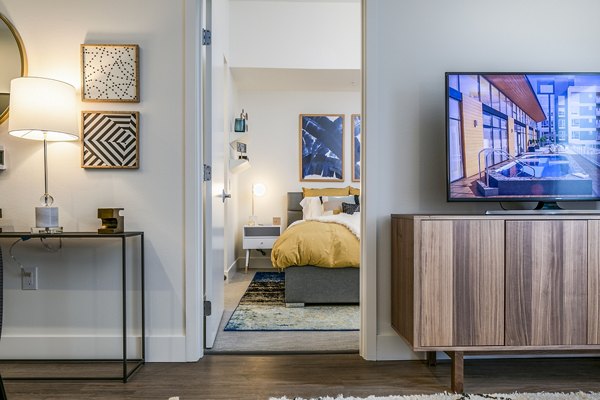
(311, 207)
(334, 203)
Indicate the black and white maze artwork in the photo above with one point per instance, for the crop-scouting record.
(110, 73)
(110, 140)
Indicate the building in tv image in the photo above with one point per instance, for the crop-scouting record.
(523, 136)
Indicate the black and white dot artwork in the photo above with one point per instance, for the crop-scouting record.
(110, 73)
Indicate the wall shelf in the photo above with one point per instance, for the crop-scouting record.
(237, 165)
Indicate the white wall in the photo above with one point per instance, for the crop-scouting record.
(273, 147)
(295, 34)
(410, 44)
(79, 287)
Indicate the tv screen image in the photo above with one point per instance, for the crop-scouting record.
(523, 136)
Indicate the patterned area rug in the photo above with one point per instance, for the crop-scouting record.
(262, 308)
(452, 396)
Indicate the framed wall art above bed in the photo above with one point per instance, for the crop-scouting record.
(321, 147)
(355, 123)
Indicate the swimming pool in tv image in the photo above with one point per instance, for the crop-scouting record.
(531, 136)
(537, 175)
(539, 166)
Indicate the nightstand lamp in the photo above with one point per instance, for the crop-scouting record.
(258, 190)
(43, 109)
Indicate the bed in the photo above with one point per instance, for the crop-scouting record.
(311, 284)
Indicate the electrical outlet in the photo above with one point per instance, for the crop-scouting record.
(29, 279)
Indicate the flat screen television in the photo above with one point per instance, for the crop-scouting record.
(523, 136)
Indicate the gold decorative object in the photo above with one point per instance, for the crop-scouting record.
(112, 220)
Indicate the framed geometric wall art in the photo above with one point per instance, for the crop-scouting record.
(355, 123)
(322, 147)
(110, 139)
(110, 73)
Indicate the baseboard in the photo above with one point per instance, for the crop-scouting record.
(165, 349)
(393, 347)
(255, 263)
(158, 349)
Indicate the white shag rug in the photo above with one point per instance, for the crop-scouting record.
(453, 396)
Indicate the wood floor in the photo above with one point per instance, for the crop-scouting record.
(259, 377)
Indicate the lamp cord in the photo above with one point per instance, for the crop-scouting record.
(50, 248)
(12, 256)
(44, 244)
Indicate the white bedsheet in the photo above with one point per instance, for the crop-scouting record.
(352, 222)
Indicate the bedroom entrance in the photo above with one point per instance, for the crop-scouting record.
(286, 105)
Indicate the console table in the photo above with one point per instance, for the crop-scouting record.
(496, 283)
(127, 372)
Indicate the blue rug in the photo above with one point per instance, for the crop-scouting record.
(262, 308)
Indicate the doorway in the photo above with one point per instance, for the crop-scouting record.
(274, 98)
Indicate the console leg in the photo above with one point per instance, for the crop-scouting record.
(457, 375)
(431, 358)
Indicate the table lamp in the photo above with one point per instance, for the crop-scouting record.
(43, 109)
(258, 189)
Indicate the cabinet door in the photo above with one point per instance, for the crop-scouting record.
(546, 283)
(462, 283)
(436, 284)
(478, 283)
(593, 282)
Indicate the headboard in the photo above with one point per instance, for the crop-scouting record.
(294, 209)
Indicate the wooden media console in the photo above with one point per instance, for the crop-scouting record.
(496, 283)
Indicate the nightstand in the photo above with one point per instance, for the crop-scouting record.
(259, 237)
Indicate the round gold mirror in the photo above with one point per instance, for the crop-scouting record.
(13, 62)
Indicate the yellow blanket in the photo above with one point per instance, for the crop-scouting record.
(323, 244)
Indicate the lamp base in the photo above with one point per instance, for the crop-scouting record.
(46, 217)
(252, 220)
(54, 229)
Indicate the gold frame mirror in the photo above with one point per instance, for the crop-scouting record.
(17, 50)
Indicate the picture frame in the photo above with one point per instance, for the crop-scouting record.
(321, 147)
(110, 139)
(355, 123)
(110, 73)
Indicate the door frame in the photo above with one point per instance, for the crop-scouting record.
(193, 165)
(194, 292)
(368, 214)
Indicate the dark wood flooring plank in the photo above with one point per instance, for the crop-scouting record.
(259, 377)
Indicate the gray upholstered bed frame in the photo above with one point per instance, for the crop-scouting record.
(316, 285)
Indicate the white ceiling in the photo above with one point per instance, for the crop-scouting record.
(280, 79)
(306, 1)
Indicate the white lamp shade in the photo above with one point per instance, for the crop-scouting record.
(42, 108)
(258, 189)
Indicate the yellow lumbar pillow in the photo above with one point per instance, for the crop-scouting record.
(312, 192)
(353, 191)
